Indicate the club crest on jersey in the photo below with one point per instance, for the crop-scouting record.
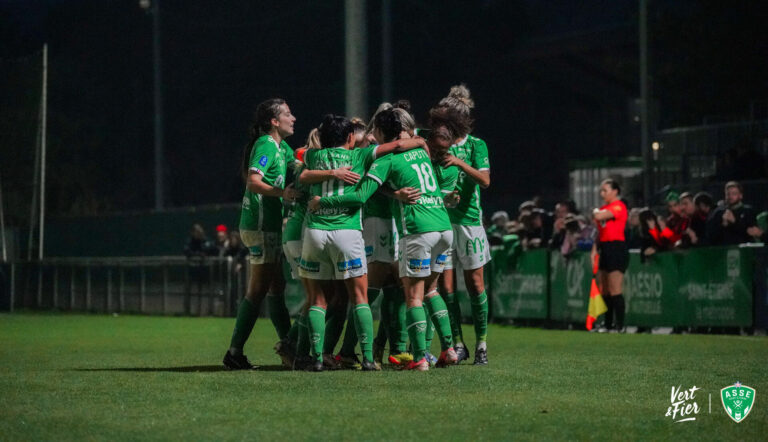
(738, 400)
(263, 160)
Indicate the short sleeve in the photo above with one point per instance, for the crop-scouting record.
(379, 170)
(262, 155)
(618, 211)
(480, 156)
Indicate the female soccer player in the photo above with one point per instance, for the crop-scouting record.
(470, 244)
(333, 243)
(424, 230)
(264, 167)
(611, 221)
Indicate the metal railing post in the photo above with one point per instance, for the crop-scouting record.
(121, 289)
(187, 290)
(109, 289)
(88, 285)
(165, 287)
(227, 308)
(39, 299)
(143, 289)
(55, 286)
(13, 286)
(72, 288)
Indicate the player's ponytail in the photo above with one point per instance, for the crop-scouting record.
(459, 99)
(262, 124)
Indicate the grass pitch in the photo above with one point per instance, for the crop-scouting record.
(75, 377)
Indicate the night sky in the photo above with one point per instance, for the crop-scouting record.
(551, 80)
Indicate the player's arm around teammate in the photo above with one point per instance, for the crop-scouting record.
(471, 248)
(264, 170)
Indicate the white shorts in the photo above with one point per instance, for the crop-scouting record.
(332, 254)
(380, 237)
(292, 250)
(263, 247)
(470, 245)
(423, 253)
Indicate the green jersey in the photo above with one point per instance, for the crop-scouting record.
(337, 218)
(474, 152)
(298, 211)
(407, 169)
(270, 160)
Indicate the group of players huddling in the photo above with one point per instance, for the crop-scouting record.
(376, 210)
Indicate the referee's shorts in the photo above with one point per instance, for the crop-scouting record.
(614, 256)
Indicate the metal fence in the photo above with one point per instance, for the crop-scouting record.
(161, 285)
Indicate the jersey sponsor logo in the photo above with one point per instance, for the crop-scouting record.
(419, 264)
(309, 266)
(263, 160)
(477, 243)
(441, 260)
(352, 264)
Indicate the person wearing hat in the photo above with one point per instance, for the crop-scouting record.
(677, 224)
(498, 227)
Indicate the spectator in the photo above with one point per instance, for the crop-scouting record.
(704, 205)
(222, 239)
(198, 245)
(677, 223)
(498, 227)
(579, 234)
(532, 235)
(237, 250)
(634, 228)
(735, 223)
(525, 208)
(651, 240)
(562, 209)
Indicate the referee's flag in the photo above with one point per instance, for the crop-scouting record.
(596, 304)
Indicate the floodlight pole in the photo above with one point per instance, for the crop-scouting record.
(158, 99)
(43, 141)
(355, 58)
(386, 50)
(645, 145)
(2, 224)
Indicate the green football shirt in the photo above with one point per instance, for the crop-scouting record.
(270, 160)
(337, 218)
(406, 169)
(298, 210)
(474, 152)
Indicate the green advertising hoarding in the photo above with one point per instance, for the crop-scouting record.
(520, 284)
(569, 282)
(650, 290)
(715, 286)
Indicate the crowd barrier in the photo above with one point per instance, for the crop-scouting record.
(704, 287)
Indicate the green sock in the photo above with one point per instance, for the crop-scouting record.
(364, 329)
(334, 326)
(430, 333)
(417, 327)
(480, 316)
(438, 312)
(398, 334)
(302, 345)
(278, 313)
(247, 313)
(350, 335)
(385, 312)
(316, 331)
(454, 312)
